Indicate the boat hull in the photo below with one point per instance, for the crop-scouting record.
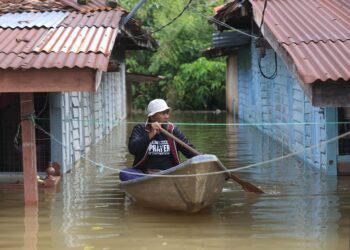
(189, 194)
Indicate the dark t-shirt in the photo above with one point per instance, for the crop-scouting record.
(159, 154)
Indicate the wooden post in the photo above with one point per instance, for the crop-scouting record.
(128, 97)
(29, 149)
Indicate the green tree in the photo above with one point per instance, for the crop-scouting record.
(179, 56)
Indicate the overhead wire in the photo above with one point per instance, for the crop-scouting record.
(174, 19)
(222, 23)
(274, 74)
(168, 23)
(283, 157)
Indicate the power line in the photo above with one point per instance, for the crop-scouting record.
(167, 24)
(221, 23)
(174, 19)
(274, 74)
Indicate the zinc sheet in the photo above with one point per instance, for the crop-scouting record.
(32, 19)
(67, 40)
(301, 21)
(97, 19)
(321, 61)
(314, 33)
(92, 5)
(53, 60)
(77, 40)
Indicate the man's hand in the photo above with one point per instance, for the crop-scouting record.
(155, 129)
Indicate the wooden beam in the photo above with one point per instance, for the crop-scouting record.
(331, 94)
(48, 80)
(28, 149)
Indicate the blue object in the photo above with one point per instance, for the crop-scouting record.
(127, 174)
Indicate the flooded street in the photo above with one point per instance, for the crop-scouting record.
(301, 209)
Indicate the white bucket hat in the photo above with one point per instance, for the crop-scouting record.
(155, 106)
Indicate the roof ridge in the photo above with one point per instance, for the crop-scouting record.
(316, 42)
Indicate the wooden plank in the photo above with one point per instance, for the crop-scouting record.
(343, 168)
(331, 94)
(48, 80)
(28, 149)
(331, 115)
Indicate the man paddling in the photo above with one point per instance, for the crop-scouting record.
(154, 151)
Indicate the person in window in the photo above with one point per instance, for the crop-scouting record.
(153, 151)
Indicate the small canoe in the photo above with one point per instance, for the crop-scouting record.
(189, 194)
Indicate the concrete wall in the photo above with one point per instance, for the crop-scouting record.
(232, 85)
(279, 107)
(80, 119)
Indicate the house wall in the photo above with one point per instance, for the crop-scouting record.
(81, 119)
(279, 107)
(231, 85)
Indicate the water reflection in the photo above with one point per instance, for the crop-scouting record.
(302, 208)
(31, 228)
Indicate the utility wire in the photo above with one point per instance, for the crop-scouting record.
(174, 19)
(274, 74)
(167, 24)
(221, 23)
(262, 18)
(283, 157)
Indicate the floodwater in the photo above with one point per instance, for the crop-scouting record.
(301, 209)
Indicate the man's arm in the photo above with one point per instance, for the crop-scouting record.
(138, 140)
(183, 138)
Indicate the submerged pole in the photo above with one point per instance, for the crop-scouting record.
(29, 149)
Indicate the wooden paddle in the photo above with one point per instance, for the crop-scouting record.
(248, 187)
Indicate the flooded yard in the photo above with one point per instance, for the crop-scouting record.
(301, 209)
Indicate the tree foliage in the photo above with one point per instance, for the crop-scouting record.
(192, 82)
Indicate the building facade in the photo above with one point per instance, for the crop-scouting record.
(290, 80)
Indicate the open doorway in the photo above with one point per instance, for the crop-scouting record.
(343, 127)
(10, 132)
(344, 142)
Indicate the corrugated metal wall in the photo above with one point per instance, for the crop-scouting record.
(86, 117)
(279, 107)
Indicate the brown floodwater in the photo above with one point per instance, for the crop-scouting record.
(301, 209)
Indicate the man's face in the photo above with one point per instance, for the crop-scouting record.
(161, 117)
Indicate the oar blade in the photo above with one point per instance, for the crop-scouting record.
(247, 186)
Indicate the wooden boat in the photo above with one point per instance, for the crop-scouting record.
(189, 194)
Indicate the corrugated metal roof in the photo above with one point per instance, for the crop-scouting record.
(97, 19)
(321, 61)
(19, 40)
(18, 6)
(307, 21)
(34, 36)
(315, 34)
(53, 60)
(32, 19)
(78, 35)
(76, 40)
(92, 5)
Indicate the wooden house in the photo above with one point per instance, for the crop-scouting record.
(62, 81)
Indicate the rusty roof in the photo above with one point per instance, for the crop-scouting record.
(7, 6)
(51, 5)
(314, 33)
(71, 36)
(307, 21)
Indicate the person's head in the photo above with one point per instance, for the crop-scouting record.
(158, 111)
